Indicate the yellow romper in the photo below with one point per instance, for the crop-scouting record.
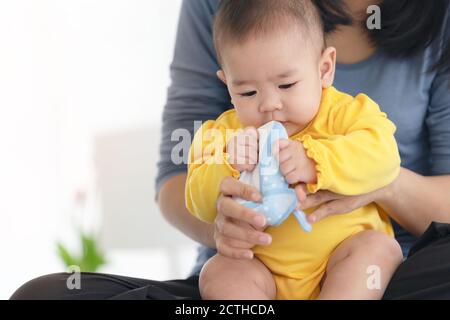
(353, 145)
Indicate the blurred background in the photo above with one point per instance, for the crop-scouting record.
(82, 88)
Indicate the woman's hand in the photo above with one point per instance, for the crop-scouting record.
(238, 229)
(330, 203)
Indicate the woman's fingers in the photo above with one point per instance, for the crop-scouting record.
(237, 232)
(231, 209)
(238, 244)
(340, 205)
(301, 192)
(330, 208)
(327, 201)
(323, 211)
(224, 249)
(233, 187)
(315, 199)
(237, 228)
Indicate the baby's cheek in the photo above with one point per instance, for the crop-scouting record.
(248, 116)
(300, 114)
(306, 110)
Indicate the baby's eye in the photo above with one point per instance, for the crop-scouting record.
(287, 86)
(248, 94)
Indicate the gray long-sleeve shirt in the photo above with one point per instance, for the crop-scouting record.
(416, 100)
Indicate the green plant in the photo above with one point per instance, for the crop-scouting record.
(89, 260)
(91, 257)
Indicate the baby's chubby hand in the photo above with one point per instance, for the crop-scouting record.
(243, 150)
(295, 165)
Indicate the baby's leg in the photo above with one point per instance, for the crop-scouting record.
(357, 260)
(225, 278)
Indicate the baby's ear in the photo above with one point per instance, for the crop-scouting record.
(327, 67)
(221, 75)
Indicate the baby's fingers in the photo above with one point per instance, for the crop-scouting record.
(246, 140)
(285, 155)
(287, 166)
(252, 132)
(252, 154)
(279, 145)
(244, 160)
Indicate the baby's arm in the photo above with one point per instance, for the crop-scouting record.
(210, 161)
(360, 155)
(208, 165)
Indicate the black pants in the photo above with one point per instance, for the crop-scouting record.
(425, 274)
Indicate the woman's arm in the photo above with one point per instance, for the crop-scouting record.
(172, 205)
(195, 94)
(414, 201)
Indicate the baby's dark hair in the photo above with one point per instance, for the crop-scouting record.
(238, 20)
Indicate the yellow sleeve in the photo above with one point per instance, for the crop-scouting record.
(208, 166)
(360, 155)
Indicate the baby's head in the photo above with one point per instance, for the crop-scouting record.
(273, 59)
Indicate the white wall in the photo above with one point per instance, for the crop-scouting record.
(70, 71)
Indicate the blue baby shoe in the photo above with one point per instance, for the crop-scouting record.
(278, 200)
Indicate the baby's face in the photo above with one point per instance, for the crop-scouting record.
(277, 77)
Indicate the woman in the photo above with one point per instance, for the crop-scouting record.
(404, 66)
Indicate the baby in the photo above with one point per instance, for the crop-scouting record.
(276, 66)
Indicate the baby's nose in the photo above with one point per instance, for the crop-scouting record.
(271, 104)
